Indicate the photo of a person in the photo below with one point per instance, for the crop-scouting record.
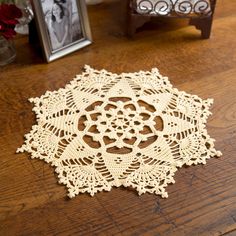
(63, 23)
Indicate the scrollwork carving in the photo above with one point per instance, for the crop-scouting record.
(168, 7)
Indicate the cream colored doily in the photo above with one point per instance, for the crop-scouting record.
(132, 129)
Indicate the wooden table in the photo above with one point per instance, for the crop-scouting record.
(203, 199)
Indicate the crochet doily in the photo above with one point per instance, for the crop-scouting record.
(131, 129)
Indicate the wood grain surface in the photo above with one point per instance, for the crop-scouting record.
(203, 199)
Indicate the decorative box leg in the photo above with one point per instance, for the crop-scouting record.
(134, 22)
(203, 24)
(206, 28)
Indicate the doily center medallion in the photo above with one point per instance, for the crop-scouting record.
(133, 129)
(120, 124)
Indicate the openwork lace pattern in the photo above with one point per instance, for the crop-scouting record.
(131, 129)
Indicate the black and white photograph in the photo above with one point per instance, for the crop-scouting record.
(63, 26)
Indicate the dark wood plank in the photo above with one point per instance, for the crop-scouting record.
(203, 200)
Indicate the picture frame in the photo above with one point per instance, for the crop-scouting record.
(62, 25)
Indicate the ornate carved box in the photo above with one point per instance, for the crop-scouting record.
(200, 13)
